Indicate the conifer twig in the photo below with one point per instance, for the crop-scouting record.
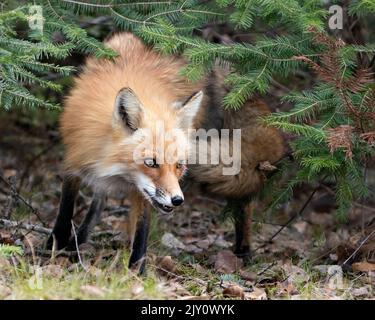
(359, 247)
(26, 226)
(290, 220)
(18, 196)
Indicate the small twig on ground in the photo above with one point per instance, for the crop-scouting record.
(290, 220)
(26, 226)
(76, 243)
(266, 269)
(18, 196)
(359, 247)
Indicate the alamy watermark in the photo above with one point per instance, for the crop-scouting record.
(36, 20)
(335, 21)
(203, 147)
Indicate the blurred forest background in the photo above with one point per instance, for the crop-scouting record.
(316, 237)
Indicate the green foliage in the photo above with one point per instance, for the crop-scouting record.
(8, 251)
(362, 7)
(333, 121)
(24, 52)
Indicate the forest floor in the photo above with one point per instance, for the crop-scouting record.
(189, 254)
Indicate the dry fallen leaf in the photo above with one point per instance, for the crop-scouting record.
(234, 292)
(93, 290)
(227, 262)
(363, 266)
(171, 242)
(166, 264)
(256, 294)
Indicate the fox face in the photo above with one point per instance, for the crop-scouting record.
(149, 147)
(112, 117)
(159, 183)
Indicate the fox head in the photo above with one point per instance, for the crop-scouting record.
(150, 146)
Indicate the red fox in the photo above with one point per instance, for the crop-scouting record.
(111, 103)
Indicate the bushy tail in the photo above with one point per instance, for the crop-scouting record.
(258, 144)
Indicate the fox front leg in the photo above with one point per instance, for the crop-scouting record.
(63, 225)
(139, 246)
(91, 219)
(138, 231)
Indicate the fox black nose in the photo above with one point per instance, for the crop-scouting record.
(177, 200)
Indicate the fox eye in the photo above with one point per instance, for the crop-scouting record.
(151, 163)
(180, 164)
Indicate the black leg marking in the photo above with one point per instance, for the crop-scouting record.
(240, 249)
(138, 255)
(242, 230)
(62, 229)
(91, 219)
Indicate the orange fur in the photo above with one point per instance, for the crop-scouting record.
(86, 123)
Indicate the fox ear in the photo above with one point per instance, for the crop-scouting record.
(189, 110)
(128, 109)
